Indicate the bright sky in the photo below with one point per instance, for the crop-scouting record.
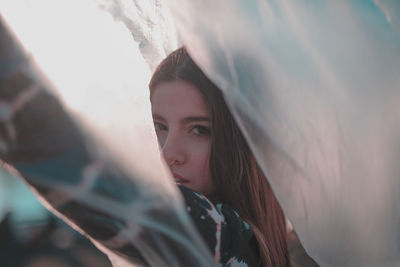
(74, 39)
(97, 70)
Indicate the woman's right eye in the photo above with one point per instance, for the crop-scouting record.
(159, 127)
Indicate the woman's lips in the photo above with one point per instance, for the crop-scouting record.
(179, 179)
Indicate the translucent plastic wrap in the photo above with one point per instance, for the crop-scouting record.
(315, 87)
(75, 123)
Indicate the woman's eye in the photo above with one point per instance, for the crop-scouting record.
(201, 130)
(159, 127)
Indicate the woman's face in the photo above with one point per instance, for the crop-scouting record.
(182, 124)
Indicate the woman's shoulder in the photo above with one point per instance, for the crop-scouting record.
(229, 237)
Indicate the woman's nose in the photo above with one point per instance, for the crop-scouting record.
(173, 150)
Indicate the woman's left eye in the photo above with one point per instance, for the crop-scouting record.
(201, 130)
(159, 127)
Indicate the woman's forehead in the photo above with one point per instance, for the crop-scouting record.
(178, 98)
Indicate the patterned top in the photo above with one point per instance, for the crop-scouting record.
(226, 234)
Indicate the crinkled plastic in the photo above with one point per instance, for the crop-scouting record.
(315, 86)
(75, 123)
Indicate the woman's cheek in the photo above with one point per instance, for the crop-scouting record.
(201, 150)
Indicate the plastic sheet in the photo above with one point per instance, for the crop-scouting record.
(75, 122)
(315, 88)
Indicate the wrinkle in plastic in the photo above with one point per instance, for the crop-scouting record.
(85, 57)
(315, 86)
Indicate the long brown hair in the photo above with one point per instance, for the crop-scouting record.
(238, 179)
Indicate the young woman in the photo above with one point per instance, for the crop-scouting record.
(202, 145)
(207, 153)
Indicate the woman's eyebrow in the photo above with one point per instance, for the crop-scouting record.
(158, 117)
(195, 119)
